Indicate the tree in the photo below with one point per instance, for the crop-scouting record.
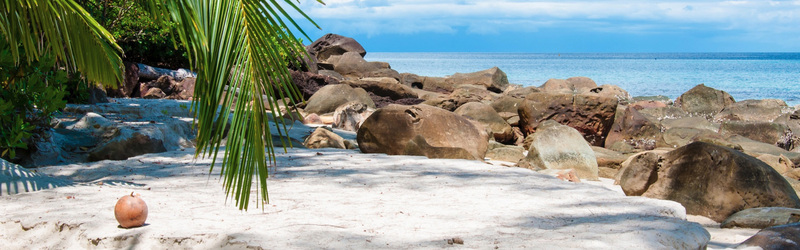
(233, 43)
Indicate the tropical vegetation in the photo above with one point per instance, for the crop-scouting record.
(244, 45)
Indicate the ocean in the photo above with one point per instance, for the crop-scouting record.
(743, 75)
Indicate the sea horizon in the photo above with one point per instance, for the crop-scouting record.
(745, 75)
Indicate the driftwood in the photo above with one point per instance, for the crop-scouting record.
(149, 73)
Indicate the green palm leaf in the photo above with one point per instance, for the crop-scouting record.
(246, 46)
(75, 38)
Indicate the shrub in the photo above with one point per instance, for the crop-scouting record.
(30, 95)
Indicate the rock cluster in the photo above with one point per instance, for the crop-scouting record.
(714, 155)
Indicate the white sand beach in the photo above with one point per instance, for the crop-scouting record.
(340, 199)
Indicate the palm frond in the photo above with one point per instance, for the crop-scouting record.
(76, 39)
(239, 45)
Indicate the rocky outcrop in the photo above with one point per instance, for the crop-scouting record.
(330, 97)
(421, 130)
(708, 180)
(592, 116)
(704, 101)
(129, 84)
(556, 146)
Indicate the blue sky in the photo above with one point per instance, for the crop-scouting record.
(560, 26)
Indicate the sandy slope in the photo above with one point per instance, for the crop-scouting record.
(340, 199)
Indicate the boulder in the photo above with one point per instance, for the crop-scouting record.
(402, 130)
(496, 126)
(323, 138)
(780, 163)
(185, 90)
(501, 152)
(766, 132)
(129, 84)
(753, 147)
(351, 115)
(331, 73)
(126, 143)
(507, 104)
(762, 217)
(97, 94)
(309, 83)
(352, 65)
(681, 136)
(647, 104)
(470, 93)
(775, 238)
(592, 116)
(154, 93)
(636, 130)
(694, 122)
(333, 44)
(493, 79)
(383, 86)
(704, 101)
(612, 91)
(521, 93)
(709, 180)
(557, 146)
(570, 85)
(412, 80)
(752, 110)
(330, 97)
(663, 113)
(608, 161)
(312, 118)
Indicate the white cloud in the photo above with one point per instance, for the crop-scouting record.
(488, 16)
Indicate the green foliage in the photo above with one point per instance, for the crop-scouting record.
(30, 95)
(144, 39)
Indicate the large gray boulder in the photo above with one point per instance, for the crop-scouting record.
(422, 130)
(708, 180)
(556, 146)
(704, 101)
(333, 44)
(330, 97)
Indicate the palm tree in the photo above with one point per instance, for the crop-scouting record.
(233, 44)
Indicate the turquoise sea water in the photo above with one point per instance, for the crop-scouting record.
(743, 75)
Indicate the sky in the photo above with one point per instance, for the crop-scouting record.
(559, 26)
